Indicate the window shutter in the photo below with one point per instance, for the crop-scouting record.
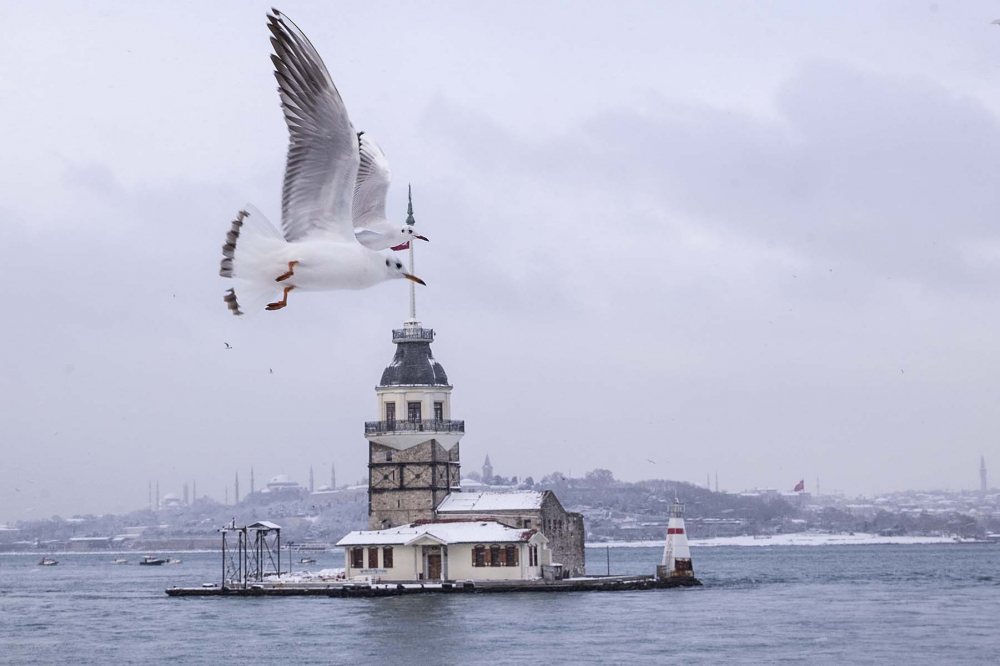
(503, 557)
(516, 552)
(474, 555)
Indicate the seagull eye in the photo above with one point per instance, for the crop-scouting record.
(386, 262)
(399, 265)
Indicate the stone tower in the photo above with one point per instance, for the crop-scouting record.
(487, 470)
(413, 450)
(413, 447)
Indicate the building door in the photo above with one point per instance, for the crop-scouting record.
(390, 412)
(434, 566)
(413, 411)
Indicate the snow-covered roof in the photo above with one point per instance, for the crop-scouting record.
(265, 524)
(445, 532)
(486, 502)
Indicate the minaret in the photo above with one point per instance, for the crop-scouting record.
(333, 476)
(186, 496)
(413, 449)
(150, 491)
(253, 489)
(487, 470)
(194, 491)
(983, 486)
(676, 561)
(237, 488)
(311, 488)
(157, 494)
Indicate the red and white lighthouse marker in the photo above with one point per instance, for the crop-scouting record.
(676, 554)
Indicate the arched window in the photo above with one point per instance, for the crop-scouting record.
(479, 556)
(511, 556)
(494, 555)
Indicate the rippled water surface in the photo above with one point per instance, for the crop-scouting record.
(908, 605)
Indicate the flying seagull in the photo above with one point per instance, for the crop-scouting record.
(228, 346)
(371, 227)
(317, 249)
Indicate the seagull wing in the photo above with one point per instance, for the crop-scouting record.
(371, 187)
(323, 147)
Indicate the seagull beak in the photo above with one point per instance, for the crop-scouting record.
(424, 238)
(414, 278)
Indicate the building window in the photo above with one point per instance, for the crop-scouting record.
(390, 412)
(373, 558)
(532, 556)
(494, 556)
(479, 556)
(413, 411)
(357, 558)
(511, 556)
(387, 557)
(527, 524)
(439, 411)
(388, 456)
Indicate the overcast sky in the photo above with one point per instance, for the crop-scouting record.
(758, 239)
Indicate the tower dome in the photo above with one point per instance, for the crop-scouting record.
(413, 363)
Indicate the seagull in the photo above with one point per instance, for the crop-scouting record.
(317, 249)
(996, 22)
(371, 227)
(228, 346)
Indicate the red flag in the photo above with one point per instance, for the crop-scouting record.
(404, 246)
(800, 486)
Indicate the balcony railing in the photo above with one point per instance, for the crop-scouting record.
(413, 334)
(404, 427)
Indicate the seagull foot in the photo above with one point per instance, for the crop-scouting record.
(282, 303)
(290, 273)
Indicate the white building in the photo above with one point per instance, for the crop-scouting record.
(450, 550)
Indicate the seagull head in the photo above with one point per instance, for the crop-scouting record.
(408, 233)
(395, 269)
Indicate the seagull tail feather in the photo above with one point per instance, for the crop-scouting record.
(252, 253)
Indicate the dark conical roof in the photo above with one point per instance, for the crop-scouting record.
(413, 364)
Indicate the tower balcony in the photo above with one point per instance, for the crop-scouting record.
(402, 434)
(414, 334)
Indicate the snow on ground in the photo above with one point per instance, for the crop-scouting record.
(307, 576)
(796, 539)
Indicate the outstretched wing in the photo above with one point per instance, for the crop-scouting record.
(371, 187)
(323, 152)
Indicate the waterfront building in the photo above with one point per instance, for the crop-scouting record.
(455, 550)
(415, 485)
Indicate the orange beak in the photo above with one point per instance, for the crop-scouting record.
(414, 278)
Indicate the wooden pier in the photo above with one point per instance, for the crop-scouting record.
(375, 589)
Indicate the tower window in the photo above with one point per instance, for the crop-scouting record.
(388, 456)
(439, 411)
(413, 411)
(390, 412)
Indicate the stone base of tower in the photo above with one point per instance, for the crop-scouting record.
(407, 485)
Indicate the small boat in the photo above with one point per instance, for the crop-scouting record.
(149, 560)
(47, 562)
(307, 560)
(119, 560)
(174, 560)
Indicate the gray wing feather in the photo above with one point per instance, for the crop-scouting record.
(323, 153)
(372, 185)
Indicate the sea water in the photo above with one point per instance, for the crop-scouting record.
(884, 604)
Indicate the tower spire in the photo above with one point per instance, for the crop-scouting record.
(411, 221)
